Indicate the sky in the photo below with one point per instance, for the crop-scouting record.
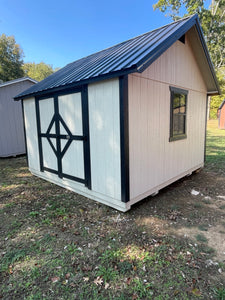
(60, 32)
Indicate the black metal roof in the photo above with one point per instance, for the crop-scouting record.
(133, 55)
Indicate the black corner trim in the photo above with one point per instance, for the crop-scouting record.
(124, 139)
(38, 134)
(206, 119)
(87, 155)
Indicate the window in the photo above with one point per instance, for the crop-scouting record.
(178, 112)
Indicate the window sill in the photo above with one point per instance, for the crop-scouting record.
(177, 138)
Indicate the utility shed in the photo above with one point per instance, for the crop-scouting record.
(221, 115)
(121, 124)
(12, 141)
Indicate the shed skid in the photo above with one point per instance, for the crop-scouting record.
(72, 186)
(154, 191)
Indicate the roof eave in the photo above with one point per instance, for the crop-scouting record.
(193, 21)
(110, 75)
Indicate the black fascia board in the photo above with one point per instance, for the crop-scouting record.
(206, 51)
(78, 84)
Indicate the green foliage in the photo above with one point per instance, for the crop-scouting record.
(11, 257)
(220, 293)
(37, 71)
(212, 20)
(11, 58)
(217, 100)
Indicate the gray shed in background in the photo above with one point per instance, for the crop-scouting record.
(12, 141)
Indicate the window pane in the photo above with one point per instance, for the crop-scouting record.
(182, 104)
(178, 124)
(182, 100)
(181, 124)
(176, 101)
(178, 106)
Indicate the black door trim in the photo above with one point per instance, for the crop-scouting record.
(56, 119)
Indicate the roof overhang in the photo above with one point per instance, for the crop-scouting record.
(78, 83)
(193, 29)
(190, 26)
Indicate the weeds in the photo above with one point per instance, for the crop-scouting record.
(219, 293)
(201, 238)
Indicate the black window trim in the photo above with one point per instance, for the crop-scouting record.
(174, 90)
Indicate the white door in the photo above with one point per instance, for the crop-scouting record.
(63, 134)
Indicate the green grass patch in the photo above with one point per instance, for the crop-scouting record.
(215, 146)
(201, 238)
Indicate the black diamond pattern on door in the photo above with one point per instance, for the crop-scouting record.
(49, 135)
(73, 164)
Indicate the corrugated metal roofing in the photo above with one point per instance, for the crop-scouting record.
(133, 55)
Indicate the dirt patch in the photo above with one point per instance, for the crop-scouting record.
(215, 238)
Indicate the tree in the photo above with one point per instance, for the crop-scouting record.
(217, 100)
(212, 20)
(11, 58)
(37, 71)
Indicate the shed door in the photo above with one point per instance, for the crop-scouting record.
(64, 136)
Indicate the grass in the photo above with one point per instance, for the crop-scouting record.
(59, 245)
(215, 146)
(201, 238)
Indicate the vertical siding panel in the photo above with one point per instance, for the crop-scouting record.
(153, 159)
(105, 137)
(31, 134)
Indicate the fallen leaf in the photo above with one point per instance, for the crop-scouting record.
(128, 281)
(106, 286)
(55, 279)
(98, 280)
(72, 284)
(67, 275)
(86, 279)
(196, 292)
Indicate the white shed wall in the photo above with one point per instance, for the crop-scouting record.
(154, 161)
(104, 123)
(31, 134)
